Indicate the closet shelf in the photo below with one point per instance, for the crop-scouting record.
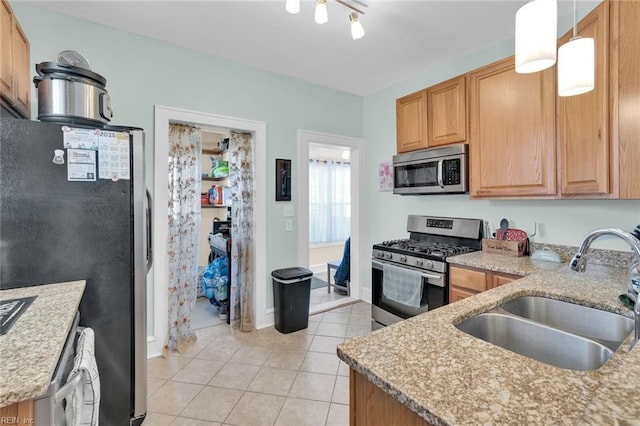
(216, 179)
(214, 151)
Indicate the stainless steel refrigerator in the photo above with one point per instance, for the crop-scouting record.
(60, 221)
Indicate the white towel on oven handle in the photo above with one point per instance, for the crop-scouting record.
(83, 402)
(402, 285)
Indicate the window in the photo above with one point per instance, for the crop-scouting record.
(329, 201)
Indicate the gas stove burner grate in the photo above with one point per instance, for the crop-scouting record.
(433, 248)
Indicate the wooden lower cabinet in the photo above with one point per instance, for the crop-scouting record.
(371, 406)
(20, 413)
(465, 281)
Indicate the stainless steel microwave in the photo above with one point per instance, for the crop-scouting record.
(442, 170)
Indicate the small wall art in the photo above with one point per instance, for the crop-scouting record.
(283, 180)
(385, 177)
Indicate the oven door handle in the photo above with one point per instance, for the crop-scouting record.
(438, 278)
(440, 173)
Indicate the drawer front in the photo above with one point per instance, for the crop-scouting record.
(467, 278)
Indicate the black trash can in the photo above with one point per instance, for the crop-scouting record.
(291, 293)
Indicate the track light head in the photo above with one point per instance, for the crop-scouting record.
(357, 31)
(321, 15)
(292, 6)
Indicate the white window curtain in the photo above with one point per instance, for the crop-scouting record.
(329, 201)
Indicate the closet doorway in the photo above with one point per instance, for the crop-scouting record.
(157, 294)
(214, 243)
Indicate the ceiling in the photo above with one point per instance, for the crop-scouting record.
(403, 38)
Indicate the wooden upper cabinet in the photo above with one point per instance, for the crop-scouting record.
(625, 88)
(585, 148)
(21, 82)
(447, 112)
(512, 126)
(15, 83)
(411, 123)
(6, 49)
(432, 117)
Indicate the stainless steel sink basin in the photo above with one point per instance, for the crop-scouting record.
(605, 327)
(540, 342)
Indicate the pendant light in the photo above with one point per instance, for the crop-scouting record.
(321, 15)
(576, 64)
(357, 32)
(536, 35)
(292, 6)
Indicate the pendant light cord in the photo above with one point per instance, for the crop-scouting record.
(575, 17)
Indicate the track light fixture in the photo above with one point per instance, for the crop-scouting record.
(321, 15)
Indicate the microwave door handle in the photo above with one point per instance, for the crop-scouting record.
(440, 172)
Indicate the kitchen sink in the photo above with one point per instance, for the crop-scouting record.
(605, 327)
(538, 341)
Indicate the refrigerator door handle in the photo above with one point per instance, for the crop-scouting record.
(149, 231)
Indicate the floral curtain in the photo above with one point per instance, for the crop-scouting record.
(242, 249)
(329, 201)
(184, 224)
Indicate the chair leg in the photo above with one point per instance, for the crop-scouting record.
(328, 279)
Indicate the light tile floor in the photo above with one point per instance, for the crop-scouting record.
(258, 378)
(321, 300)
(204, 314)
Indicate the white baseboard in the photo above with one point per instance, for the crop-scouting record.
(366, 294)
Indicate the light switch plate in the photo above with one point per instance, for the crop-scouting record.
(288, 225)
(288, 210)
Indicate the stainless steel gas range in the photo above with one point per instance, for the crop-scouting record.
(410, 276)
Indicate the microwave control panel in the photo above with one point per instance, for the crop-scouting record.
(451, 172)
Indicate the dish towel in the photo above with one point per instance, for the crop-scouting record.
(402, 285)
(83, 404)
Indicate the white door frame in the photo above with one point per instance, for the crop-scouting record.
(163, 116)
(306, 137)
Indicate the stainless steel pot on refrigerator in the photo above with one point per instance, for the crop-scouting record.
(71, 94)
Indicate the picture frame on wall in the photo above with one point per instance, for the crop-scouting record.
(283, 179)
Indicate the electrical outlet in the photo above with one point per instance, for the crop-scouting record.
(288, 225)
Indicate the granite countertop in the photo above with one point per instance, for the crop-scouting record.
(449, 377)
(30, 350)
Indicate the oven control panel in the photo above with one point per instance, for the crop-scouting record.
(440, 223)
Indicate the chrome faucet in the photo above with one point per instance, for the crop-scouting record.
(579, 262)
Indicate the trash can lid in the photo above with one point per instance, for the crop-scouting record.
(287, 274)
